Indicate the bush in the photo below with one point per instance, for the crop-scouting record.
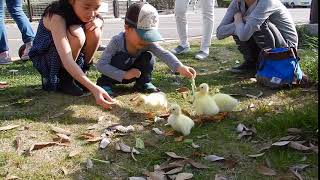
(223, 3)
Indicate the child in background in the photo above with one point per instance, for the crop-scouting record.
(129, 55)
(67, 37)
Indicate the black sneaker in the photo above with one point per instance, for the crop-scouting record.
(244, 68)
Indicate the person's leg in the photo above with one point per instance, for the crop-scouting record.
(3, 35)
(180, 11)
(67, 85)
(92, 43)
(207, 7)
(145, 63)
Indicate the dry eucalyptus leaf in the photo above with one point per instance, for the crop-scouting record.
(174, 155)
(256, 155)
(195, 145)
(178, 139)
(89, 164)
(281, 143)
(298, 146)
(183, 176)
(9, 127)
(95, 139)
(294, 130)
(125, 148)
(87, 136)
(137, 178)
(213, 158)
(314, 148)
(17, 143)
(158, 131)
(220, 177)
(57, 115)
(265, 147)
(244, 133)
(296, 174)
(12, 177)
(41, 145)
(183, 89)
(287, 138)
(74, 153)
(63, 137)
(266, 171)
(104, 143)
(214, 118)
(299, 167)
(241, 127)
(157, 175)
(60, 130)
(158, 119)
(196, 164)
(174, 171)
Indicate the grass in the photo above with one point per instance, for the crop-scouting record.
(24, 103)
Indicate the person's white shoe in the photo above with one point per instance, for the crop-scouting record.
(201, 55)
(25, 55)
(180, 50)
(5, 58)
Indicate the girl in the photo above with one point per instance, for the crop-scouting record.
(67, 37)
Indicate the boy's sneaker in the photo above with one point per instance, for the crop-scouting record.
(5, 58)
(245, 67)
(180, 50)
(146, 88)
(25, 54)
(108, 89)
(201, 55)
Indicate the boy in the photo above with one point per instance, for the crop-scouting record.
(128, 56)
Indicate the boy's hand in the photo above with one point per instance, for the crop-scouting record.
(237, 17)
(95, 23)
(132, 73)
(187, 71)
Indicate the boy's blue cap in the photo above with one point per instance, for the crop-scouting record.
(144, 17)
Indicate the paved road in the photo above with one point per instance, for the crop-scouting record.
(167, 26)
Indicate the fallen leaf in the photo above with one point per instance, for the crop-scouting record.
(60, 130)
(294, 130)
(63, 138)
(132, 155)
(165, 115)
(178, 139)
(299, 167)
(296, 174)
(169, 133)
(125, 148)
(230, 163)
(287, 138)
(196, 164)
(87, 136)
(3, 85)
(174, 155)
(157, 131)
(41, 145)
(158, 119)
(203, 136)
(137, 178)
(298, 146)
(89, 164)
(123, 129)
(150, 115)
(183, 89)
(157, 175)
(219, 177)
(314, 148)
(266, 171)
(255, 97)
(241, 127)
(183, 176)
(9, 127)
(12, 177)
(244, 133)
(281, 143)
(213, 158)
(139, 143)
(57, 115)
(256, 155)
(167, 167)
(174, 171)
(214, 118)
(104, 143)
(95, 139)
(265, 147)
(17, 143)
(195, 145)
(74, 153)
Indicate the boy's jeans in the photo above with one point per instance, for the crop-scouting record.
(144, 63)
(180, 10)
(15, 9)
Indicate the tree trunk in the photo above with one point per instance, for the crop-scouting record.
(314, 12)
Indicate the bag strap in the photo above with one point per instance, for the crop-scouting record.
(290, 52)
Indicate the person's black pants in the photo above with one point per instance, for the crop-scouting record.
(268, 37)
(123, 61)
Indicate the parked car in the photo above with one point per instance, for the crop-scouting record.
(296, 3)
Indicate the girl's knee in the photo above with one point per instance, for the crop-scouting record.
(76, 36)
(95, 34)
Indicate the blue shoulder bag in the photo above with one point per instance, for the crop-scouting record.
(278, 67)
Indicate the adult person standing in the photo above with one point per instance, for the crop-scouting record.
(256, 25)
(15, 9)
(180, 10)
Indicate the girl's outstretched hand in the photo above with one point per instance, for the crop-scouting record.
(187, 71)
(102, 97)
(95, 23)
